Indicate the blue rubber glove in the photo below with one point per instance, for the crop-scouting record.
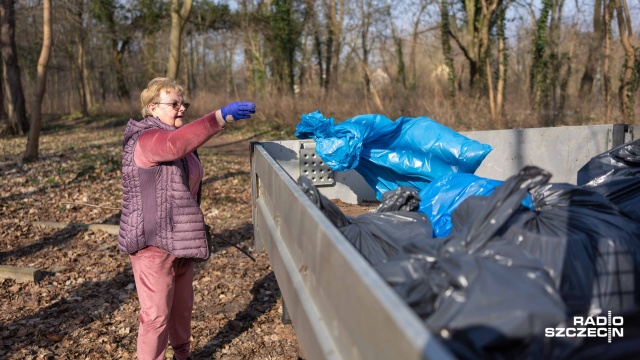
(238, 110)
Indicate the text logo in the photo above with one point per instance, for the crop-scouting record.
(600, 326)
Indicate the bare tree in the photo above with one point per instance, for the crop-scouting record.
(330, 11)
(338, 33)
(445, 37)
(318, 45)
(479, 22)
(422, 7)
(308, 29)
(367, 13)
(397, 42)
(254, 62)
(80, 67)
(551, 67)
(608, 13)
(482, 17)
(496, 97)
(628, 80)
(15, 101)
(365, 26)
(31, 152)
(334, 13)
(595, 51)
(179, 16)
(120, 28)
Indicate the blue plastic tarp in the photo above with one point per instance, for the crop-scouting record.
(388, 154)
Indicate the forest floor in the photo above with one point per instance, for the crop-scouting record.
(86, 306)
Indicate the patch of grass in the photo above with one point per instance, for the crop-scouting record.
(72, 116)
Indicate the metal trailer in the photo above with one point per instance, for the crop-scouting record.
(339, 306)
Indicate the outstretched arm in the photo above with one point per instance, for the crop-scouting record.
(158, 145)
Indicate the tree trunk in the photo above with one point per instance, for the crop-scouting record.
(2, 109)
(80, 65)
(203, 62)
(376, 98)
(255, 67)
(179, 17)
(318, 46)
(31, 152)
(470, 7)
(191, 65)
(337, 48)
(118, 55)
(304, 57)
(15, 101)
(480, 20)
(414, 46)
(595, 51)
(492, 104)
(557, 62)
(246, 44)
(486, 22)
(605, 64)
(229, 68)
(331, 25)
(149, 54)
(365, 24)
(628, 86)
(397, 41)
(502, 68)
(538, 83)
(86, 82)
(445, 33)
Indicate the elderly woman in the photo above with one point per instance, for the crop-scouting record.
(162, 227)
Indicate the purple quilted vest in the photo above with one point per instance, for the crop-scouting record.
(158, 208)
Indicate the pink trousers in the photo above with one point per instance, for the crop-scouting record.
(165, 290)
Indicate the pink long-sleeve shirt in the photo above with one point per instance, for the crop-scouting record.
(157, 146)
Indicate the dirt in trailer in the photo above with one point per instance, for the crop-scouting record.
(86, 306)
(353, 210)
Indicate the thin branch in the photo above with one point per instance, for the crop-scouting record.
(234, 245)
(461, 46)
(92, 205)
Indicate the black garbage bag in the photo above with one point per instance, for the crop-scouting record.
(589, 247)
(403, 198)
(484, 295)
(378, 236)
(381, 234)
(329, 209)
(616, 175)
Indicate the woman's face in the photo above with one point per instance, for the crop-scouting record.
(169, 108)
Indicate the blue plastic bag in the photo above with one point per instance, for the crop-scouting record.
(388, 154)
(440, 198)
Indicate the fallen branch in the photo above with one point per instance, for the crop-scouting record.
(20, 273)
(109, 229)
(93, 205)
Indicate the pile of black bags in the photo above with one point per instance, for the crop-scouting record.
(506, 272)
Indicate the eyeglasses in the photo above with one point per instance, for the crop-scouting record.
(175, 105)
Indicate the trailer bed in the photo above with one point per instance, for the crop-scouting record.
(338, 304)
